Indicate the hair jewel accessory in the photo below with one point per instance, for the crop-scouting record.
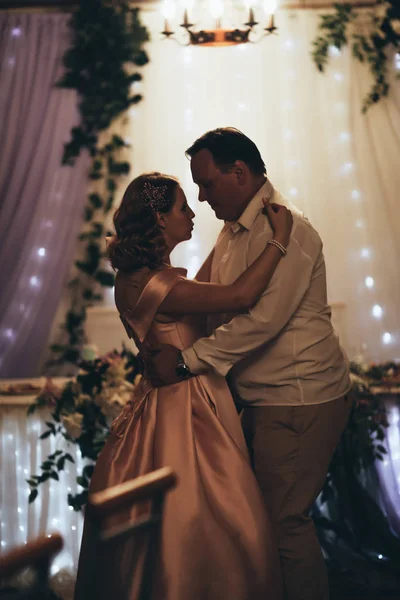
(155, 196)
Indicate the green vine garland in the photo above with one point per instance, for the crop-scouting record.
(373, 48)
(108, 44)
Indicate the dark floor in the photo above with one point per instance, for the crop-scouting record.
(364, 581)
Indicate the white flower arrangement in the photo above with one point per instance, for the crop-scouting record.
(82, 412)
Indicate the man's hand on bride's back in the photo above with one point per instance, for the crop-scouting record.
(280, 219)
(160, 364)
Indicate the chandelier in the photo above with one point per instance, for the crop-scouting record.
(220, 22)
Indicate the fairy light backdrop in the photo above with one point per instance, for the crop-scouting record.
(316, 146)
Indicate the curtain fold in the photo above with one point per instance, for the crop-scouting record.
(41, 201)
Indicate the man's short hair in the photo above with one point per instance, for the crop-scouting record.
(227, 144)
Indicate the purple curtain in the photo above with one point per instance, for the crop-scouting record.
(41, 201)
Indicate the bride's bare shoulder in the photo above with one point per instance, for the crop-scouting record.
(129, 286)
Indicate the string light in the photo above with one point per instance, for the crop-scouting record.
(355, 194)
(41, 252)
(387, 338)
(365, 253)
(34, 281)
(377, 311)
(344, 136)
(347, 167)
(334, 52)
(369, 282)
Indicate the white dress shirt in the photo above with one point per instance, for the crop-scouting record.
(284, 350)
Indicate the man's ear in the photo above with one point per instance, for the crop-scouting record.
(241, 172)
(161, 220)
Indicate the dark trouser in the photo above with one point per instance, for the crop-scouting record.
(291, 448)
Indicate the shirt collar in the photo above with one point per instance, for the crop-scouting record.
(251, 211)
(248, 216)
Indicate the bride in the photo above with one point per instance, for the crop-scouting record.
(216, 538)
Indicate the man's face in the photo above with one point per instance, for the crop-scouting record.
(221, 190)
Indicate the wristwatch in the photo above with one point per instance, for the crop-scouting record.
(182, 370)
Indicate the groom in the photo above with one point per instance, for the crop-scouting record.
(284, 361)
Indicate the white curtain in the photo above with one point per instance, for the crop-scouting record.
(337, 165)
(21, 454)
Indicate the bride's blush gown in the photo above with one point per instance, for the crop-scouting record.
(216, 539)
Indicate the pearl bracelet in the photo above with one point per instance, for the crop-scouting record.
(278, 245)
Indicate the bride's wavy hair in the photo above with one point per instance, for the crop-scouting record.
(138, 241)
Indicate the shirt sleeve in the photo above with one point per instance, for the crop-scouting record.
(245, 333)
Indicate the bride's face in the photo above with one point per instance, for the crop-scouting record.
(178, 224)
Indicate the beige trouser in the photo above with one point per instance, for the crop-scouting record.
(291, 448)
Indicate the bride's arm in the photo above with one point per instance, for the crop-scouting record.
(190, 297)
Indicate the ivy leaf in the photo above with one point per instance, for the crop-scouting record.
(119, 168)
(88, 214)
(97, 231)
(82, 481)
(95, 200)
(47, 465)
(31, 482)
(111, 185)
(88, 470)
(32, 496)
(45, 435)
(117, 141)
(105, 278)
(108, 206)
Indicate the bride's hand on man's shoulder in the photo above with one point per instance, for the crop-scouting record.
(280, 219)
